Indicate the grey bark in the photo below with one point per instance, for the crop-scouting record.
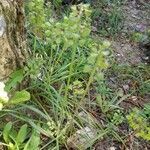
(12, 37)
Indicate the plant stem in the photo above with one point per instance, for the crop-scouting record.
(70, 71)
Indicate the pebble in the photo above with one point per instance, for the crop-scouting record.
(126, 87)
(112, 148)
(134, 98)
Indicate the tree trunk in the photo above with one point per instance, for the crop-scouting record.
(13, 50)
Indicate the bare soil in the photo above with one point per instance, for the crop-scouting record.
(137, 19)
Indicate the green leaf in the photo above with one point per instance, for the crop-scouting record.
(33, 142)
(92, 58)
(6, 132)
(19, 97)
(87, 69)
(13, 135)
(15, 78)
(21, 134)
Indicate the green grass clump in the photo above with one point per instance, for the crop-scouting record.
(108, 17)
(65, 62)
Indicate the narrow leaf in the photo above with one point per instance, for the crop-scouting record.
(15, 78)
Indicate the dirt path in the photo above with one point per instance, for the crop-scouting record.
(137, 19)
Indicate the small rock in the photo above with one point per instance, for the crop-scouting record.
(94, 29)
(134, 98)
(122, 45)
(140, 27)
(145, 58)
(126, 87)
(82, 138)
(118, 54)
(112, 148)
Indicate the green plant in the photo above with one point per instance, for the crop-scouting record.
(16, 98)
(19, 140)
(66, 61)
(70, 36)
(57, 3)
(14, 79)
(108, 16)
(34, 66)
(107, 99)
(77, 89)
(117, 117)
(137, 75)
(139, 122)
(36, 16)
(137, 37)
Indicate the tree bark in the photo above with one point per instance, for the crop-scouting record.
(13, 50)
